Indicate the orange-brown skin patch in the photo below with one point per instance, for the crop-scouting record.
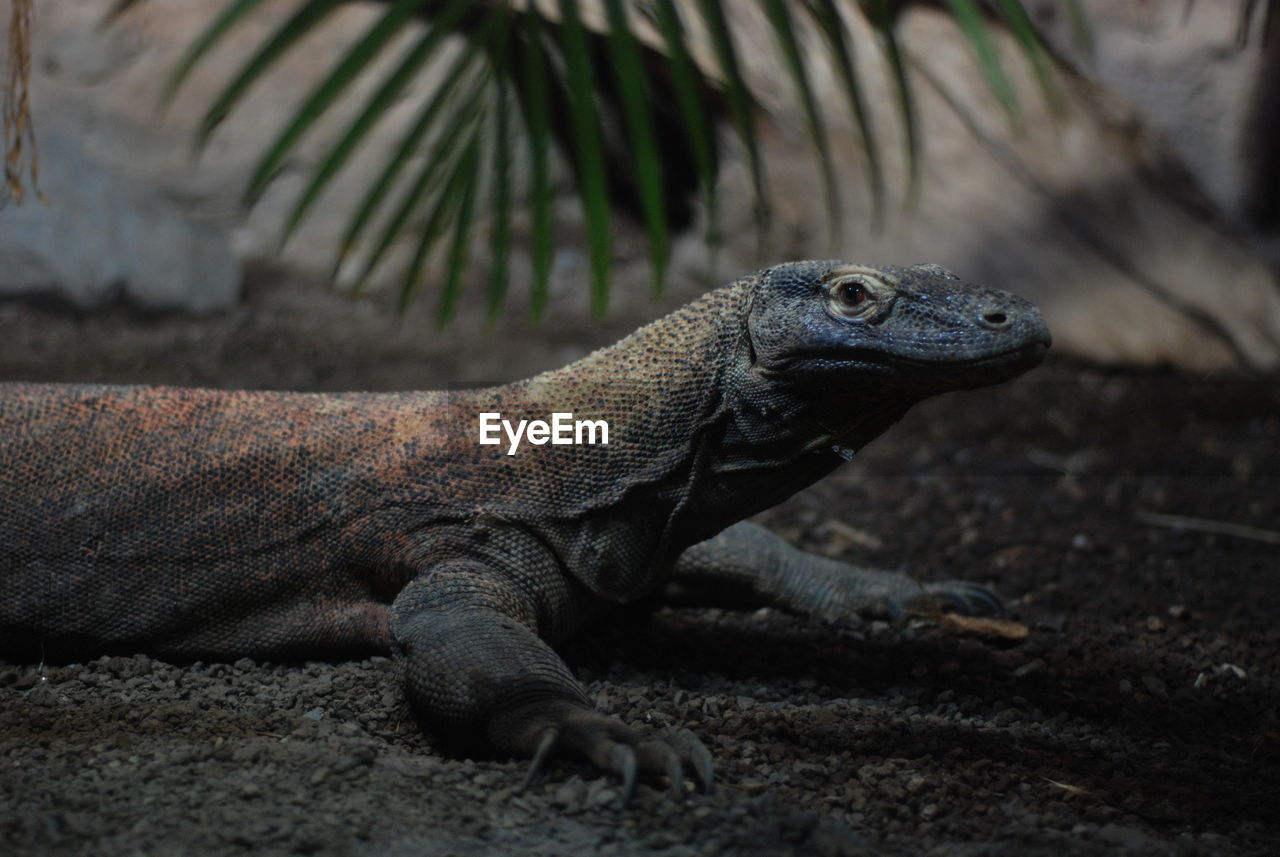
(219, 523)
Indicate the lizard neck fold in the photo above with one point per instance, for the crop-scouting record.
(698, 440)
(662, 393)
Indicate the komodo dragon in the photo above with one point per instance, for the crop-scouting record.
(211, 524)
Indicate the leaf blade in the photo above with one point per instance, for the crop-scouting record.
(968, 17)
(374, 197)
(393, 85)
(832, 27)
(741, 104)
(1019, 24)
(535, 70)
(639, 123)
(590, 166)
(784, 33)
(687, 88)
(880, 14)
(304, 19)
(463, 209)
(500, 233)
(325, 93)
(431, 174)
(213, 33)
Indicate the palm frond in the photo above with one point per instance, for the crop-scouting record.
(460, 112)
(832, 27)
(503, 199)
(459, 197)
(1015, 18)
(537, 113)
(346, 144)
(969, 17)
(535, 77)
(882, 15)
(742, 103)
(793, 58)
(693, 111)
(588, 150)
(287, 35)
(635, 99)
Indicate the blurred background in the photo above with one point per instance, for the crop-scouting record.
(1116, 162)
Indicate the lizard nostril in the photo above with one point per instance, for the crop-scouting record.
(995, 319)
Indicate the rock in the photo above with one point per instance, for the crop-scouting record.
(97, 237)
(1182, 67)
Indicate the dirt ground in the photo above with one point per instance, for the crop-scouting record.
(1139, 717)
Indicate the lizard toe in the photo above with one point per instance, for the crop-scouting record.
(621, 752)
(632, 759)
(545, 744)
(661, 756)
(622, 762)
(961, 596)
(696, 757)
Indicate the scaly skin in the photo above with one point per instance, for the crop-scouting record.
(220, 524)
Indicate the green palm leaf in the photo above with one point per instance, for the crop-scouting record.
(535, 71)
(537, 78)
(969, 17)
(881, 14)
(793, 57)
(460, 198)
(303, 21)
(693, 109)
(324, 95)
(461, 118)
(589, 151)
(503, 200)
(833, 30)
(445, 106)
(742, 104)
(639, 126)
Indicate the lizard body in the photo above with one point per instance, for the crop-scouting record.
(219, 524)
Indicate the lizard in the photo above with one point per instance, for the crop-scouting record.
(216, 524)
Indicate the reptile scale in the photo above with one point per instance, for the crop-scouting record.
(213, 524)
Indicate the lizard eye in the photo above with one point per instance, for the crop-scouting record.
(852, 297)
(851, 294)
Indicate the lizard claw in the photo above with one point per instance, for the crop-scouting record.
(623, 763)
(900, 597)
(698, 757)
(675, 773)
(889, 595)
(617, 750)
(964, 597)
(661, 756)
(895, 612)
(540, 755)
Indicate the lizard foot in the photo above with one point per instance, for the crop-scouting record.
(894, 596)
(610, 746)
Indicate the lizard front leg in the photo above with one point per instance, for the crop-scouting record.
(746, 565)
(474, 662)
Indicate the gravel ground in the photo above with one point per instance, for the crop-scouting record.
(1138, 716)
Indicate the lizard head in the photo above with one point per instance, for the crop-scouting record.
(917, 331)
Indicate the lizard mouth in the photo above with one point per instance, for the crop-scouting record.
(1006, 363)
(1029, 353)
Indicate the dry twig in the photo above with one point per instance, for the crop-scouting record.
(1203, 525)
(15, 105)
